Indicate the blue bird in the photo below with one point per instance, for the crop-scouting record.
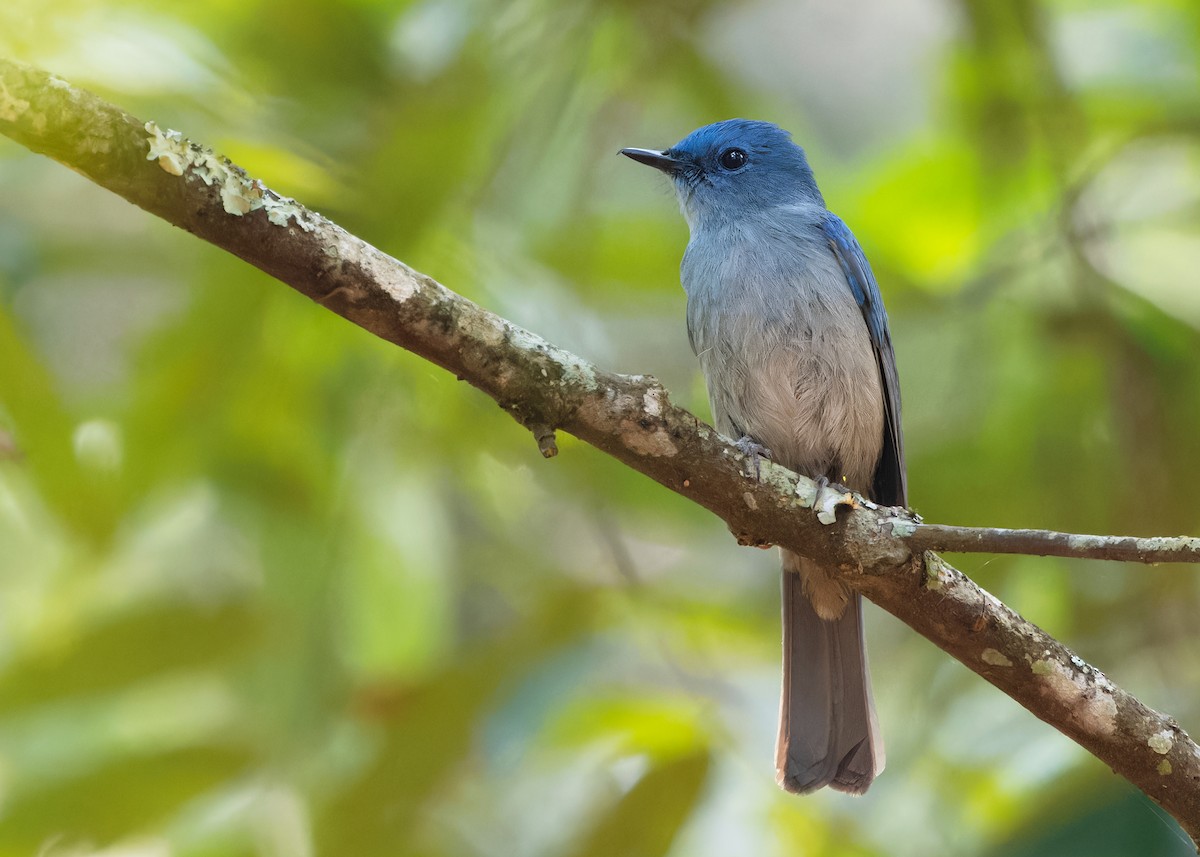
(787, 321)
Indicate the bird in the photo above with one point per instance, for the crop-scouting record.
(788, 323)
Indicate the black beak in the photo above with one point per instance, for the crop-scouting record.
(654, 158)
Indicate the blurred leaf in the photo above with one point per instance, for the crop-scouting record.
(429, 731)
(1126, 823)
(643, 823)
(43, 429)
(127, 649)
(660, 728)
(125, 797)
(922, 212)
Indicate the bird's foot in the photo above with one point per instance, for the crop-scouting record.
(755, 454)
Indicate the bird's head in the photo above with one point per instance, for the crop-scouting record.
(733, 170)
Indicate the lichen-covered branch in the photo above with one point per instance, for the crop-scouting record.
(939, 537)
(630, 417)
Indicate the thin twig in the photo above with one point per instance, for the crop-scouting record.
(945, 538)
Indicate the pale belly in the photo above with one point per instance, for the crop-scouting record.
(813, 398)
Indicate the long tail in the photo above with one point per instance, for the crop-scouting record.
(828, 732)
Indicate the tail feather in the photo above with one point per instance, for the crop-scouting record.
(828, 731)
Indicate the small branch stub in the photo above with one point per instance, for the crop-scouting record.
(546, 440)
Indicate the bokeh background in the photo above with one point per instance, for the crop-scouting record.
(269, 586)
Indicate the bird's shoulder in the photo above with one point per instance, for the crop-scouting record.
(800, 215)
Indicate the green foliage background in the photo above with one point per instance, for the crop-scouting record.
(270, 587)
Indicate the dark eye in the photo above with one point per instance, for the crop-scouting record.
(733, 159)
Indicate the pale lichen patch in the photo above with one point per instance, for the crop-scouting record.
(806, 492)
(1089, 704)
(1164, 767)
(642, 436)
(1161, 742)
(1084, 543)
(995, 658)
(578, 373)
(237, 199)
(934, 573)
(399, 288)
(11, 107)
(520, 338)
(656, 443)
(282, 209)
(169, 149)
(827, 501)
(492, 331)
(652, 401)
(638, 434)
(239, 193)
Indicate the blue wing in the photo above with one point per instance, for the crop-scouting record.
(891, 482)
